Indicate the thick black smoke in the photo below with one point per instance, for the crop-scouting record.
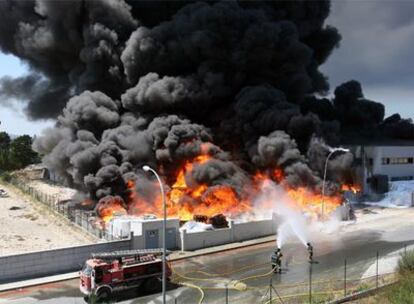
(74, 45)
(161, 82)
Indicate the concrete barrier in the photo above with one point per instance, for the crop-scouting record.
(50, 262)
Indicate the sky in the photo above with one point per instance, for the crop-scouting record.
(13, 120)
(377, 49)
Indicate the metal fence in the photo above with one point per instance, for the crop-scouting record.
(81, 218)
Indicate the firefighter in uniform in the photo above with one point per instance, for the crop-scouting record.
(277, 260)
(310, 252)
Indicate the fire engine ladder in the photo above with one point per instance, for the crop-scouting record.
(138, 253)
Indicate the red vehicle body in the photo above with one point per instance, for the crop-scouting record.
(110, 272)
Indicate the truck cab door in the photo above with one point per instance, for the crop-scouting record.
(93, 284)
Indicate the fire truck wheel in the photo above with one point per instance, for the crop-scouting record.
(103, 293)
(152, 285)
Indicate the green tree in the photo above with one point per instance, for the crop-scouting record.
(4, 141)
(4, 150)
(21, 153)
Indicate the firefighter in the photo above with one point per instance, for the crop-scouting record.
(310, 252)
(277, 260)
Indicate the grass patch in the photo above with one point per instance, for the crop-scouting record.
(403, 291)
(317, 298)
(321, 298)
(362, 287)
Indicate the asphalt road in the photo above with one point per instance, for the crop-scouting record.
(247, 267)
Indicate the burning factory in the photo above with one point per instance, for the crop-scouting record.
(220, 97)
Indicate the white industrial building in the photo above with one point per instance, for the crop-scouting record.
(147, 230)
(378, 164)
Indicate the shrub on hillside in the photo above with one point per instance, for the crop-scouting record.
(5, 176)
(403, 291)
(406, 263)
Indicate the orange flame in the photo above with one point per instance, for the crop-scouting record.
(278, 175)
(186, 198)
(313, 203)
(109, 207)
(351, 187)
(300, 198)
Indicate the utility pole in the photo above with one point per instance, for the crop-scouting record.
(164, 228)
(332, 151)
(345, 278)
(310, 282)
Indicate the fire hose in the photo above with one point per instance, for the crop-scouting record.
(212, 275)
(235, 284)
(258, 275)
(200, 301)
(240, 286)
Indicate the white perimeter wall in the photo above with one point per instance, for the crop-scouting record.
(50, 262)
(235, 233)
(251, 230)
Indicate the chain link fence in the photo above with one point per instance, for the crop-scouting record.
(81, 218)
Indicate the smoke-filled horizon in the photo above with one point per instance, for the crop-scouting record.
(161, 83)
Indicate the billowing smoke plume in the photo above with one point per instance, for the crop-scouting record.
(74, 45)
(160, 83)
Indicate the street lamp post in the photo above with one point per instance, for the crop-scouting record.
(164, 228)
(332, 151)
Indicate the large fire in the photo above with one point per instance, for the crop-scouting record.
(185, 201)
(111, 206)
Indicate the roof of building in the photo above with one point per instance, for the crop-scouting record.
(358, 140)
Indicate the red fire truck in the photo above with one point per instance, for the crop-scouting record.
(109, 272)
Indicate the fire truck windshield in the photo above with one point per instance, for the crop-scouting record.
(87, 270)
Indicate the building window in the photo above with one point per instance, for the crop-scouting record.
(397, 160)
(357, 161)
(400, 178)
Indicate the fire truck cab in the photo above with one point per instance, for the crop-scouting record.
(109, 272)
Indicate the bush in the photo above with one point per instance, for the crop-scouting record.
(5, 176)
(406, 263)
(403, 291)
